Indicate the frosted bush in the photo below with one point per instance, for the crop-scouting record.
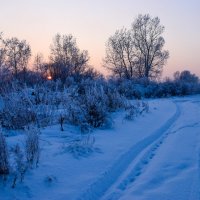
(4, 162)
(20, 166)
(75, 113)
(88, 107)
(114, 99)
(82, 147)
(17, 111)
(95, 105)
(32, 147)
(135, 109)
(24, 106)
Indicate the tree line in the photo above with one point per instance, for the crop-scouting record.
(65, 60)
(130, 53)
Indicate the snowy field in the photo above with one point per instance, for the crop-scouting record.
(154, 157)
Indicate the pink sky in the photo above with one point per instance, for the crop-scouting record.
(93, 21)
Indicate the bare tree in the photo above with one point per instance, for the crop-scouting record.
(41, 68)
(17, 55)
(4, 71)
(148, 42)
(38, 62)
(2, 51)
(137, 52)
(66, 58)
(120, 54)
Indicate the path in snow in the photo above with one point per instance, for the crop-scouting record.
(126, 170)
(170, 167)
(156, 157)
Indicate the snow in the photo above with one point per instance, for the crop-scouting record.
(174, 172)
(155, 156)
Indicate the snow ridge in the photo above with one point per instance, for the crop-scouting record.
(109, 177)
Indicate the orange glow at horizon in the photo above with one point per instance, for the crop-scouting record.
(93, 22)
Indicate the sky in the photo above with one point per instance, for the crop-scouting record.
(92, 22)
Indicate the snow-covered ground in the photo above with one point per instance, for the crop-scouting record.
(156, 156)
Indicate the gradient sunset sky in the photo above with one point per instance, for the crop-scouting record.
(93, 21)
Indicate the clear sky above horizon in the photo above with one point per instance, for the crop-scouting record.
(93, 21)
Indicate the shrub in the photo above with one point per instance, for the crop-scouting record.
(82, 147)
(114, 99)
(18, 111)
(135, 109)
(20, 166)
(32, 148)
(95, 106)
(4, 163)
(88, 107)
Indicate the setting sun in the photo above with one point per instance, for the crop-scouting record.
(49, 77)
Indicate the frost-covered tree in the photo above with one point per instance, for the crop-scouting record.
(120, 58)
(2, 51)
(38, 62)
(4, 71)
(66, 58)
(137, 52)
(18, 53)
(148, 41)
